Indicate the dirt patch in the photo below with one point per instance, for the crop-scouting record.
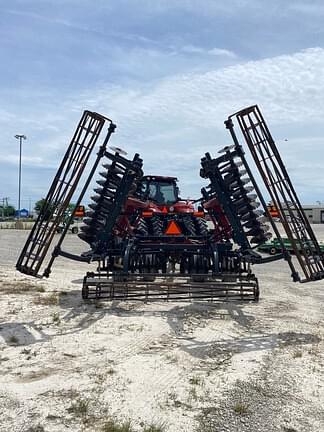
(20, 287)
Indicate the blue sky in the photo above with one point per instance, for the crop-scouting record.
(168, 74)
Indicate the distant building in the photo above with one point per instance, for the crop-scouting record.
(314, 213)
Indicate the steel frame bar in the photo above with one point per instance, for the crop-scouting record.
(276, 179)
(286, 255)
(60, 193)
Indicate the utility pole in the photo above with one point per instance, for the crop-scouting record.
(20, 138)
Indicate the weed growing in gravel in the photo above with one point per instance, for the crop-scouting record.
(40, 289)
(241, 408)
(173, 400)
(99, 378)
(20, 287)
(13, 340)
(195, 380)
(37, 428)
(50, 300)
(314, 350)
(171, 358)
(193, 396)
(114, 426)
(298, 354)
(56, 318)
(155, 427)
(80, 408)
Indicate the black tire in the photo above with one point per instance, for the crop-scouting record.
(190, 226)
(201, 226)
(157, 226)
(75, 230)
(142, 228)
(273, 251)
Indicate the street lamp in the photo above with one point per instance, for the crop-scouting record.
(20, 137)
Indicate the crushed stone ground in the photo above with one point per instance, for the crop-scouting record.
(69, 365)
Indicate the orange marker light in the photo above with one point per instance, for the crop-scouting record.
(199, 214)
(173, 228)
(164, 210)
(147, 213)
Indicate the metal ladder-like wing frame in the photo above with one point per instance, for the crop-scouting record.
(60, 193)
(277, 181)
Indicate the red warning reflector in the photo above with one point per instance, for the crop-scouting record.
(173, 228)
(164, 210)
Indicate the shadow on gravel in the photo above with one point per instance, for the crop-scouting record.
(252, 343)
(78, 315)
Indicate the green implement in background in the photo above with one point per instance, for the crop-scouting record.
(274, 246)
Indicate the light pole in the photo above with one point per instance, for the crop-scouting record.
(20, 137)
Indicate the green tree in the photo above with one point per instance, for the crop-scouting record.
(41, 206)
(7, 211)
(49, 209)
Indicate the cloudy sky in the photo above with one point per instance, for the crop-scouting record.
(168, 73)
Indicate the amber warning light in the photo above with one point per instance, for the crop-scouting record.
(79, 211)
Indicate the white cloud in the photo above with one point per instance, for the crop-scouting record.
(173, 121)
(183, 115)
(290, 88)
(191, 49)
(222, 52)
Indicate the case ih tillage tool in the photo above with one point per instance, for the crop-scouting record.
(151, 245)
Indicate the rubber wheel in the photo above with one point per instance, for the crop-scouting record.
(75, 230)
(272, 251)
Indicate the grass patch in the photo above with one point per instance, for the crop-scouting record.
(241, 408)
(114, 426)
(155, 427)
(37, 428)
(49, 300)
(79, 408)
(193, 395)
(298, 354)
(20, 287)
(40, 289)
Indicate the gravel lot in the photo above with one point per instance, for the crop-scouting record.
(86, 366)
